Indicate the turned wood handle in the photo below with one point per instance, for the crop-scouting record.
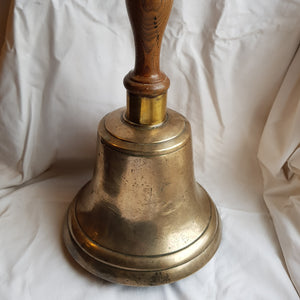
(148, 19)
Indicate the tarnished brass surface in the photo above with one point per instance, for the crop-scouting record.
(142, 219)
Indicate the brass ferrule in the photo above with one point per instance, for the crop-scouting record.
(145, 110)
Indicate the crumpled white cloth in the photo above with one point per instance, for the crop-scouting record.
(279, 154)
(61, 71)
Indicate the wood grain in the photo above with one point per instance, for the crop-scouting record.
(148, 19)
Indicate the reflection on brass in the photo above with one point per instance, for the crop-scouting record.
(146, 110)
(143, 219)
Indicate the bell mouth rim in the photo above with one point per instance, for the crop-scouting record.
(140, 277)
(165, 268)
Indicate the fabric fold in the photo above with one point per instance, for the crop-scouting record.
(279, 155)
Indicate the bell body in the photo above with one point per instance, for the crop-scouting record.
(142, 219)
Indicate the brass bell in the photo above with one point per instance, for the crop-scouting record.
(143, 219)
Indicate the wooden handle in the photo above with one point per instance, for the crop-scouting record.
(148, 20)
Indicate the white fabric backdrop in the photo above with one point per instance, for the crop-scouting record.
(62, 67)
(279, 154)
